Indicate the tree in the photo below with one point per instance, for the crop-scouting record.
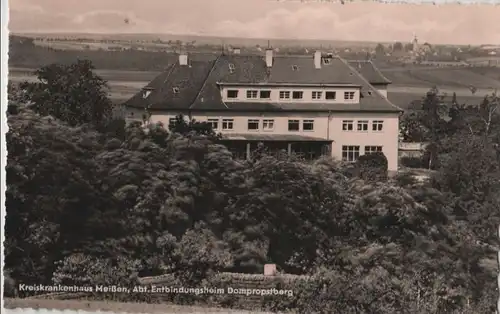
(398, 46)
(72, 93)
(380, 49)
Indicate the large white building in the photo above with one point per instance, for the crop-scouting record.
(313, 104)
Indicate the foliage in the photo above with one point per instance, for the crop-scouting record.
(71, 93)
(372, 167)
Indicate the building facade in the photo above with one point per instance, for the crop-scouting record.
(311, 105)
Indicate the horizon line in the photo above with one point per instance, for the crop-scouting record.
(228, 37)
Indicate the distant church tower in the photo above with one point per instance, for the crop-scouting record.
(415, 43)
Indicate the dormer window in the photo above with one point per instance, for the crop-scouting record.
(295, 67)
(231, 68)
(175, 90)
(146, 92)
(327, 60)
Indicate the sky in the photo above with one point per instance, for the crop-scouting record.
(357, 21)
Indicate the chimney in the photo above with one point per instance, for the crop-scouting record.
(236, 51)
(183, 59)
(317, 59)
(269, 58)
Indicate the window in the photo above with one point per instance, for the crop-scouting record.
(294, 67)
(175, 90)
(284, 94)
(377, 125)
(372, 149)
(146, 93)
(293, 125)
(268, 124)
(347, 125)
(297, 95)
(251, 94)
(348, 95)
(227, 124)
(253, 124)
(362, 125)
(214, 123)
(171, 122)
(265, 94)
(350, 153)
(316, 95)
(231, 68)
(308, 125)
(331, 95)
(232, 93)
(327, 60)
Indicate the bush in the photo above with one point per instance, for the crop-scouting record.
(372, 167)
(412, 162)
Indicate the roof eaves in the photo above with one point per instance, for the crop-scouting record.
(288, 84)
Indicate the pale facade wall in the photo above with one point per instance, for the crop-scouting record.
(307, 94)
(388, 138)
(325, 126)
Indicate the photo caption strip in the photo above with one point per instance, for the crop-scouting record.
(36, 303)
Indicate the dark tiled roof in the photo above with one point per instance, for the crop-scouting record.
(198, 89)
(369, 71)
(273, 137)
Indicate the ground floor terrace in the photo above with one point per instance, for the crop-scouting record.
(243, 146)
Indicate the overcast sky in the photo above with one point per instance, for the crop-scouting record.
(457, 24)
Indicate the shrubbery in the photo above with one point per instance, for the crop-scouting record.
(109, 203)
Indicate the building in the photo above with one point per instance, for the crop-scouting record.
(491, 61)
(311, 105)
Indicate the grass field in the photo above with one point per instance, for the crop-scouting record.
(409, 84)
(117, 307)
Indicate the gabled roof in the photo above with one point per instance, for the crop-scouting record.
(369, 71)
(197, 84)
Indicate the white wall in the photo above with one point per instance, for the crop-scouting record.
(387, 138)
(307, 94)
(325, 127)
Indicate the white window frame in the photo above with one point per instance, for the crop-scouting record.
(298, 124)
(317, 95)
(252, 94)
(350, 153)
(285, 94)
(265, 90)
(349, 95)
(227, 124)
(268, 124)
(299, 93)
(253, 121)
(308, 121)
(213, 122)
(232, 90)
(370, 149)
(346, 124)
(171, 121)
(334, 95)
(377, 125)
(362, 124)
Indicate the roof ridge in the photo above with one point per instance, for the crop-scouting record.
(368, 83)
(205, 82)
